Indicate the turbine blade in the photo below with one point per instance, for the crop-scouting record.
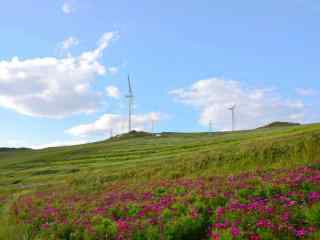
(129, 84)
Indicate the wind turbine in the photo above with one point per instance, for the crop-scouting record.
(130, 102)
(210, 126)
(232, 109)
(152, 125)
(111, 132)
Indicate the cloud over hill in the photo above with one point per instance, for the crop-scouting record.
(255, 106)
(117, 123)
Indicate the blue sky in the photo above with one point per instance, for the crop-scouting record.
(189, 61)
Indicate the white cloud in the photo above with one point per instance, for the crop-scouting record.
(112, 91)
(255, 107)
(113, 70)
(67, 8)
(69, 43)
(53, 87)
(58, 144)
(306, 92)
(117, 123)
(12, 143)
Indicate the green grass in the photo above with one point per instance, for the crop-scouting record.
(140, 157)
(168, 156)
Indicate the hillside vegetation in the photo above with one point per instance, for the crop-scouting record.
(281, 124)
(168, 155)
(4, 149)
(258, 185)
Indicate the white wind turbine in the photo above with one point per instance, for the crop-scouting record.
(210, 126)
(130, 105)
(232, 109)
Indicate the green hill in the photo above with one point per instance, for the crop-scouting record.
(281, 124)
(132, 167)
(4, 149)
(167, 155)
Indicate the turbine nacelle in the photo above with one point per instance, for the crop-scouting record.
(233, 107)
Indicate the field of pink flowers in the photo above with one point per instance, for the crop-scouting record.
(278, 204)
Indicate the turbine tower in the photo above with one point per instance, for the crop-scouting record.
(152, 125)
(111, 132)
(130, 106)
(232, 109)
(210, 126)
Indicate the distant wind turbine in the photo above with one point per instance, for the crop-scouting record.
(111, 132)
(130, 104)
(152, 125)
(210, 126)
(232, 109)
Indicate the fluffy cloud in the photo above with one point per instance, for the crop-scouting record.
(255, 107)
(306, 92)
(53, 87)
(67, 8)
(69, 42)
(117, 123)
(59, 144)
(112, 91)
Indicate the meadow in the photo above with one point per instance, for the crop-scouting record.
(172, 186)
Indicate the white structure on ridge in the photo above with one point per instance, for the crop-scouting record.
(232, 109)
(130, 106)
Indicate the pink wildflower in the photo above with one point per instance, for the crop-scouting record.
(215, 236)
(300, 233)
(255, 237)
(235, 231)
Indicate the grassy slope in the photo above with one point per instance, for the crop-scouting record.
(136, 159)
(171, 155)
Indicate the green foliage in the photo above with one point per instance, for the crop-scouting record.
(315, 165)
(244, 193)
(14, 232)
(133, 210)
(66, 232)
(266, 234)
(151, 233)
(140, 157)
(216, 202)
(160, 192)
(185, 228)
(280, 124)
(105, 228)
(167, 215)
(226, 235)
(91, 166)
(315, 235)
(181, 208)
(312, 215)
(180, 190)
(270, 190)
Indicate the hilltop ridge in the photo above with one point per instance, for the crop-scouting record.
(281, 124)
(6, 149)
